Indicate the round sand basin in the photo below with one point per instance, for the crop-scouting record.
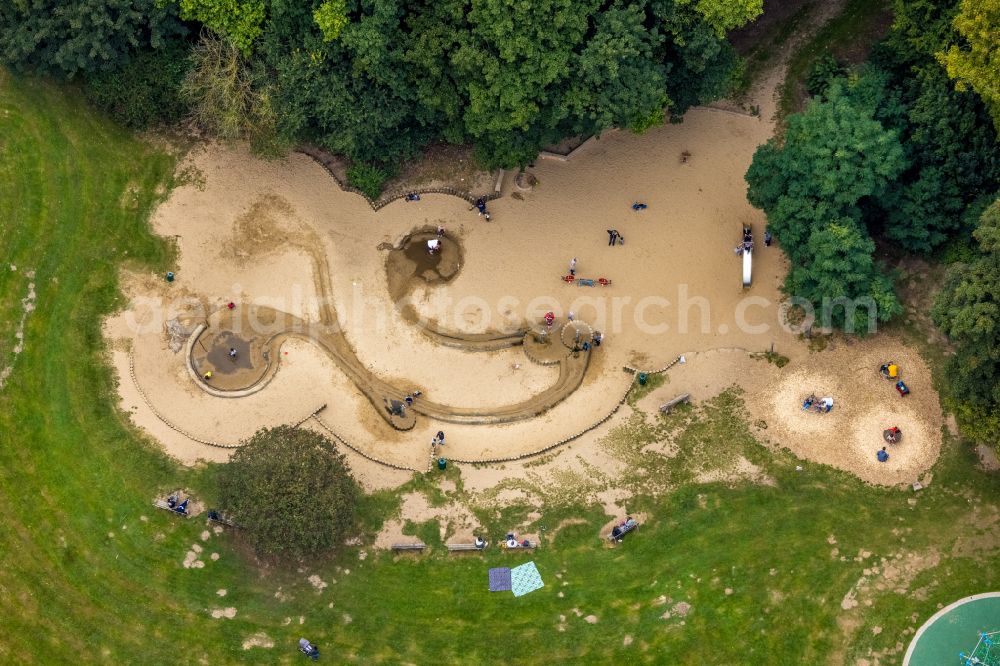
(850, 436)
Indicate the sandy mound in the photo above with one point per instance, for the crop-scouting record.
(865, 404)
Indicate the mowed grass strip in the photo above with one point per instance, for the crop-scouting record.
(83, 579)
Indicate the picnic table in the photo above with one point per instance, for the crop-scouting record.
(161, 503)
(621, 530)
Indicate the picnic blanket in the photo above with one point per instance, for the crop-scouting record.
(525, 578)
(499, 579)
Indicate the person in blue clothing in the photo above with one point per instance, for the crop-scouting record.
(882, 455)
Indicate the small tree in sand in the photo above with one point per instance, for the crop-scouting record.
(290, 491)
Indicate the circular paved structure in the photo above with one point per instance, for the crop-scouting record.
(954, 629)
(575, 333)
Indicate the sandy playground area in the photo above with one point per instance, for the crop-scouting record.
(281, 237)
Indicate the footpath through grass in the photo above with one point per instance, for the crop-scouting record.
(92, 574)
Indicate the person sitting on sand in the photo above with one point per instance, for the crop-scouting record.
(208, 376)
(598, 338)
(882, 455)
(434, 245)
(826, 404)
(440, 437)
(233, 353)
(412, 196)
(809, 402)
(638, 205)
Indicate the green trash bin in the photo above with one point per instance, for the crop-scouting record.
(642, 379)
(442, 463)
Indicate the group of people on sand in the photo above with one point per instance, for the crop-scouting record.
(627, 525)
(175, 504)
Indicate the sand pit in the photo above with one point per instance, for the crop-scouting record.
(381, 318)
(865, 404)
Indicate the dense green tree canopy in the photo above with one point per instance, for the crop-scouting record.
(977, 62)
(968, 311)
(290, 491)
(376, 80)
(238, 20)
(833, 156)
(72, 36)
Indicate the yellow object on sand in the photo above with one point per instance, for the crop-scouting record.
(893, 371)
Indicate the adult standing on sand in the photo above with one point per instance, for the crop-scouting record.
(612, 236)
(572, 266)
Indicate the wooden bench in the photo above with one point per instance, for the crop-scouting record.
(220, 518)
(162, 504)
(408, 546)
(668, 407)
(458, 547)
(624, 531)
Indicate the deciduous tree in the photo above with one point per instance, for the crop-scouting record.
(290, 491)
(240, 21)
(68, 37)
(968, 311)
(976, 63)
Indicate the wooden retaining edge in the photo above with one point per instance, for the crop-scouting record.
(361, 453)
(175, 428)
(742, 114)
(156, 413)
(398, 194)
(636, 371)
(211, 390)
(589, 141)
(561, 442)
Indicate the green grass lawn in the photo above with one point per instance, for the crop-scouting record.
(85, 579)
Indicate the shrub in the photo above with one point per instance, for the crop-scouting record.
(290, 491)
(367, 178)
(823, 71)
(146, 91)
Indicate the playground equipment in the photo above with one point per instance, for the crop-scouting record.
(586, 282)
(986, 652)
(892, 435)
(668, 406)
(746, 250)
